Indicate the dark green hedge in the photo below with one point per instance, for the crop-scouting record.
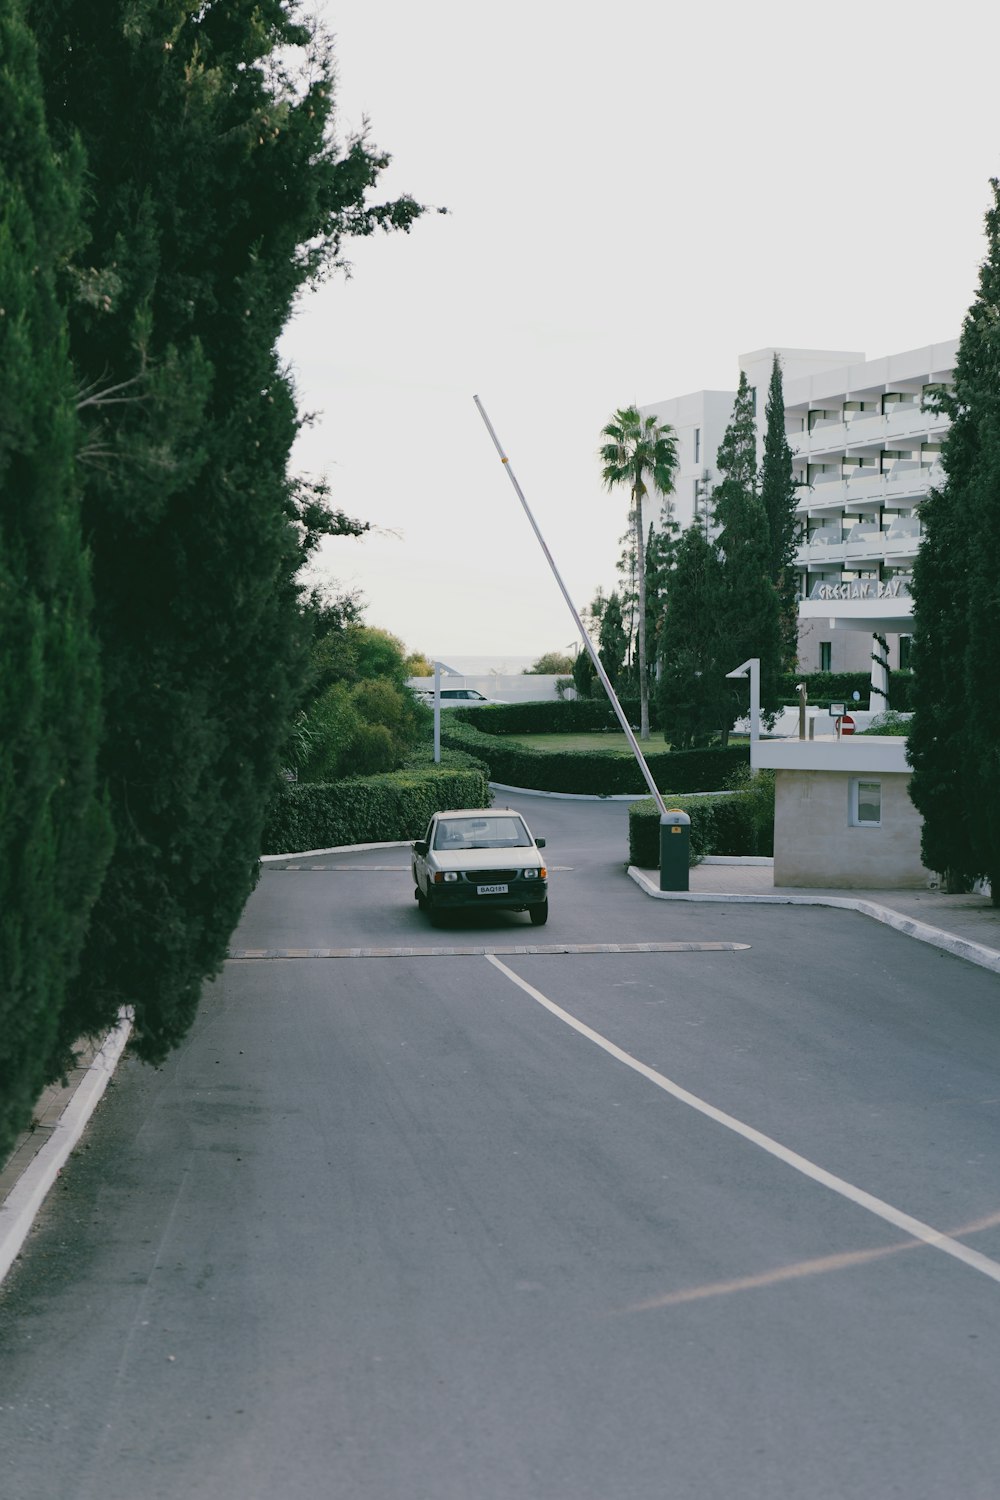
(725, 823)
(555, 717)
(838, 687)
(366, 810)
(594, 774)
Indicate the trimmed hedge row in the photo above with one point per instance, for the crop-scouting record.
(593, 774)
(724, 823)
(366, 809)
(838, 687)
(555, 717)
(558, 716)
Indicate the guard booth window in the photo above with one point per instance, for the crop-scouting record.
(866, 804)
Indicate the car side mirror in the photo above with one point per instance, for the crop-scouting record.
(420, 847)
(539, 843)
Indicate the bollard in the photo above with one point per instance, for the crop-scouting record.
(675, 850)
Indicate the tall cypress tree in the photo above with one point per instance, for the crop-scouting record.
(692, 692)
(750, 620)
(953, 743)
(778, 497)
(54, 833)
(613, 639)
(217, 192)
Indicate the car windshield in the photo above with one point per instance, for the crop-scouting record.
(499, 831)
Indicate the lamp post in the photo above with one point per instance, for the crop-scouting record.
(751, 669)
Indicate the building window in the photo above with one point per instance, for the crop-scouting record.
(866, 804)
(697, 445)
(825, 656)
(905, 647)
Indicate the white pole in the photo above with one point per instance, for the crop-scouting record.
(588, 643)
(437, 712)
(751, 669)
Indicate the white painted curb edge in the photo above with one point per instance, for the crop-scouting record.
(976, 953)
(527, 791)
(266, 859)
(19, 1208)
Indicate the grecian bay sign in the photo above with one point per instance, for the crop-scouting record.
(863, 589)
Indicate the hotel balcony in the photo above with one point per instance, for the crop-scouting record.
(899, 488)
(905, 423)
(862, 545)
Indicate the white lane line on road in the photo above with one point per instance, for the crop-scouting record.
(914, 1227)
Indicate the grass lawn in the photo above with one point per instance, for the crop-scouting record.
(611, 741)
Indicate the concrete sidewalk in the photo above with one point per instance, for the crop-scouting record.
(967, 925)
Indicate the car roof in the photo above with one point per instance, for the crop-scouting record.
(477, 812)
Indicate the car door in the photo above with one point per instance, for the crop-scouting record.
(419, 861)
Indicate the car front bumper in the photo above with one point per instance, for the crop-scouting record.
(463, 895)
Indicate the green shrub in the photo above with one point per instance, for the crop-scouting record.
(889, 723)
(372, 750)
(731, 822)
(578, 771)
(366, 810)
(422, 759)
(839, 687)
(558, 716)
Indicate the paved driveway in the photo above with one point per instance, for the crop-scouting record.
(688, 1201)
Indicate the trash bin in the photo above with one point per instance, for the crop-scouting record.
(675, 850)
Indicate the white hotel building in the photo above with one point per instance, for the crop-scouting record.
(865, 454)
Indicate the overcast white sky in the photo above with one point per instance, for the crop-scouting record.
(637, 194)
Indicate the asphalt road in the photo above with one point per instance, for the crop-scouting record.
(552, 1226)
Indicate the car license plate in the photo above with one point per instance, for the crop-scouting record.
(493, 890)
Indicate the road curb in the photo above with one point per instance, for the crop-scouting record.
(976, 953)
(20, 1208)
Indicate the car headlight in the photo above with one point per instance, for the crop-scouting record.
(531, 874)
(446, 875)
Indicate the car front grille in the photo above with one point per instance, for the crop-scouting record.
(491, 877)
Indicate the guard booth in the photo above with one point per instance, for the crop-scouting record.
(675, 849)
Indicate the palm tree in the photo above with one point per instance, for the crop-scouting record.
(638, 447)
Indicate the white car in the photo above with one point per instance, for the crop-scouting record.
(480, 858)
(452, 697)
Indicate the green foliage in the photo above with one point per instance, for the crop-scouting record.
(363, 810)
(889, 723)
(825, 688)
(550, 663)
(216, 192)
(612, 640)
(419, 665)
(595, 774)
(56, 834)
(547, 717)
(638, 448)
(693, 695)
(749, 622)
(584, 676)
(778, 497)
(357, 730)
(953, 742)
(662, 544)
(422, 759)
(728, 823)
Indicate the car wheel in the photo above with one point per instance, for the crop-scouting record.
(419, 898)
(435, 916)
(539, 914)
